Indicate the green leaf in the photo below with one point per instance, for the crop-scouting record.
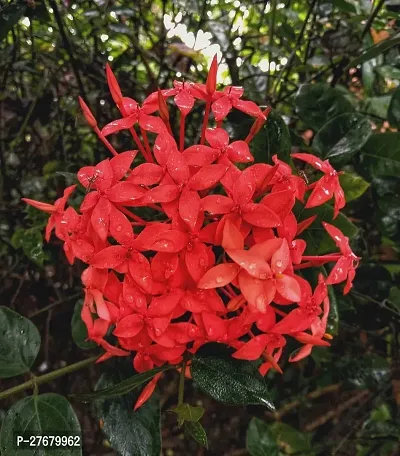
(129, 433)
(318, 240)
(229, 380)
(46, 414)
(333, 317)
(292, 440)
(394, 298)
(317, 103)
(78, 328)
(367, 371)
(196, 430)
(260, 441)
(394, 109)
(31, 242)
(381, 154)
(19, 343)
(277, 139)
(353, 185)
(376, 106)
(187, 412)
(9, 16)
(341, 137)
(124, 387)
(344, 6)
(374, 51)
(389, 72)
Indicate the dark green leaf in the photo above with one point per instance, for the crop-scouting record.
(291, 439)
(229, 380)
(318, 240)
(374, 51)
(317, 103)
(389, 72)
(31, 242)
(381, 154)
(277, 139)
(46, 414)
(124, 387)
(196, 430)
(394, 298)
(188, 412)
(353, 185)
(333, 317)
(9, 15)
(78, 328)
(344, 6)
(376, 106)
(380, 429)
(19, 343)
(341, 137)
(260, 441)
(368, 371)
(394, 109)
(129, 433)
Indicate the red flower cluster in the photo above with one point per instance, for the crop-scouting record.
(221, 262)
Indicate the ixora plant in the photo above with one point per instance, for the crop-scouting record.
(196, 257)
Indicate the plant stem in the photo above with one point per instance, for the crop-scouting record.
(182, 382)
(36, 381)
(372, 18)
(54, 304)
(270, 41)
(292, 55)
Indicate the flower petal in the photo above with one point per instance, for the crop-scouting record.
(219, 276)
(129, 326)
(207, 177)
(100, 218)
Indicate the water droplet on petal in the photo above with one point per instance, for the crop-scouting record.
(129, 298)
(167, 274)
(118, 228)
(210, 331)
(202, 262)
(158, 332)
(279, 263)
(219, 279)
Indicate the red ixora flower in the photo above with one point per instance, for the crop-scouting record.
(188, 247)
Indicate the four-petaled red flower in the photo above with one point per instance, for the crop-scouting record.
(189, 248)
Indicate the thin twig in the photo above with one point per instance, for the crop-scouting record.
(54, 304)
(372, 18)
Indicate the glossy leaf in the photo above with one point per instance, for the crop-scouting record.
(196, 430)
(318, 103)
(332, 326)
(124, 387)
(394, 109)
(381, 154)
(368, 371)
(277, 139)
(374, 51)
(31, 242)
(46, 414)
(229, 380)
(19, 343)
(9, 15)
(79, 330)
(260, 441)
(291, 439)
(353, 185)
(341, 137)
(318, 240)
(187, 412)
(130, 433)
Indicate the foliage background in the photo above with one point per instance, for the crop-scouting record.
(52, 51)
